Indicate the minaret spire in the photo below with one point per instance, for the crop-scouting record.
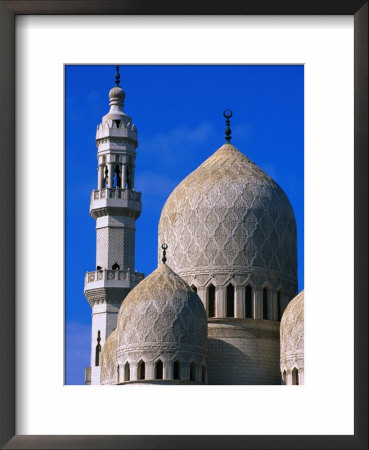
(228, 114)
(117, 76)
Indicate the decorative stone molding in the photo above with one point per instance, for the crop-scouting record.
(116, 193)
(104, 274)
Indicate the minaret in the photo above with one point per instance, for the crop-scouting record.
(115, 205)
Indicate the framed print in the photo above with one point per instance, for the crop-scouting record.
(40, 409)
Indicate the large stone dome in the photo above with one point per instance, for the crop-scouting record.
(230, 216)
(292, 338)
(162, 317)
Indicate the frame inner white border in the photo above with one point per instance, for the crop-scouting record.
(324, 44)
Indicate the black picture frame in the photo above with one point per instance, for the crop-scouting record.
(8, 278)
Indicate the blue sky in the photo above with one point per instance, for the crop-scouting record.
(178, 114)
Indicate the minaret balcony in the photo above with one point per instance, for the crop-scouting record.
(111, 130)
(105, 278)
(115, 201)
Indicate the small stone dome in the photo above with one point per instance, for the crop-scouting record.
(108, 364)
(162, 309)
(116, 114)
(162, 317)
(230, 216)
(117, 96)
(292, 337)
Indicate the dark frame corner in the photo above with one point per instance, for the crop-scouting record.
(8, 12)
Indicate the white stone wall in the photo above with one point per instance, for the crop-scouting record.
(104, 319)
(243, 351)
(115, 242)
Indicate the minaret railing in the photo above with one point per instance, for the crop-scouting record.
(116, 193)
(109, 274)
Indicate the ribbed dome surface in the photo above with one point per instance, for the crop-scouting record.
(162, 310)
(108, 360)
(292, 332)
(229, 214)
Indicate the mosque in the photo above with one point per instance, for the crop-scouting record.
(221, 308)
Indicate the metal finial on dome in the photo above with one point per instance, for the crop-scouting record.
(227, 114)
(164, 247)
(117, 76)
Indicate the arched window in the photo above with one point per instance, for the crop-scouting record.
(117, 178)
(279, 305)
(98, 350)
(230, 300)
(127, 373)
(115, 266)
(284, 377)
(176, 370)
(194, 288)
(158, 370)
(248, 302)
(203, 373)
(118, 373)
(265, 303)
(106, 176)
(141, 370)
(192, 371)
(295, 376)
(211, 300)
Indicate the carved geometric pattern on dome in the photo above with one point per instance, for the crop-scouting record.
(229, 213)
(162, 310)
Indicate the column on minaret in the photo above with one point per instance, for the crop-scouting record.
(110, 174)
(100, 176)
(124, 171)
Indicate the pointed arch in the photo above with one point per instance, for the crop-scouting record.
(211, 300)
(141, 370)
(284, 375)
(192, 371)
(203, 373)
(265, 302)
(279, 304)
(98, 349)
(295, 376)
(230, 300)
(127, 372)
(159, 369)
(248, 302)
(176, 370)
(194, 288)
